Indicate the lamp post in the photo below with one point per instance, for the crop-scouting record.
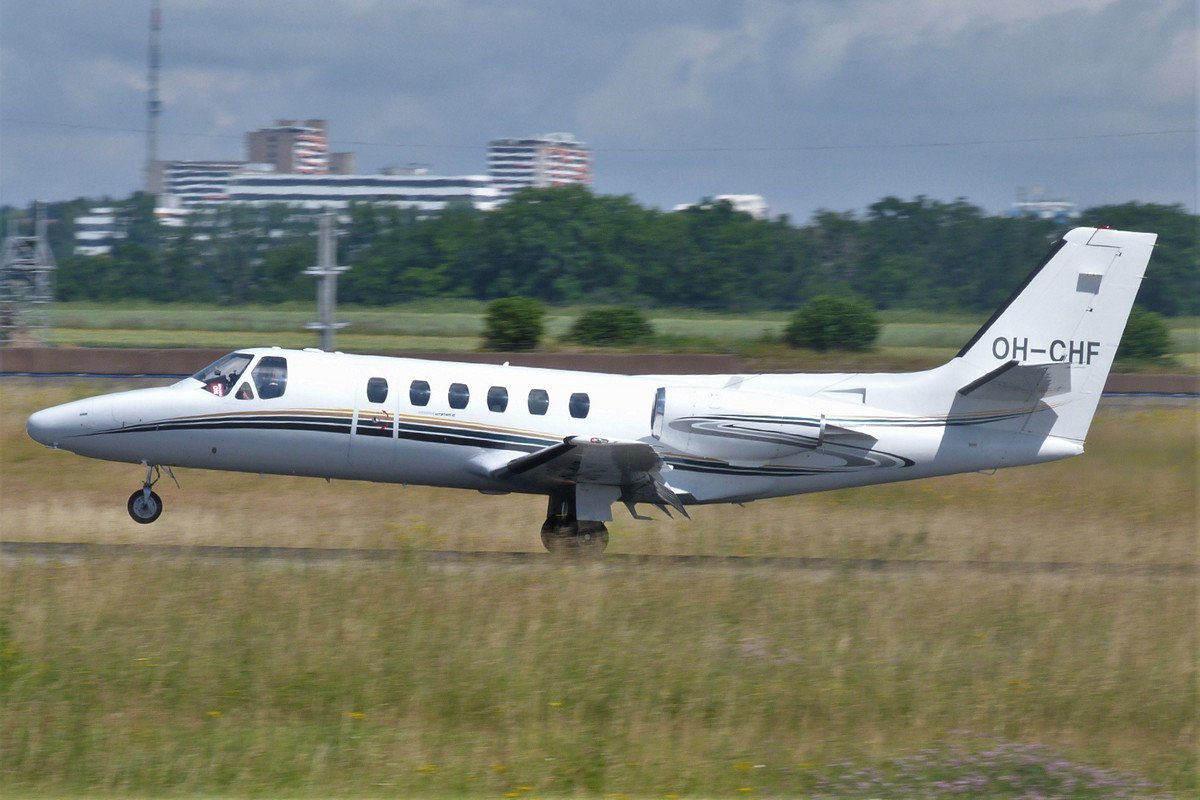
(326, 274)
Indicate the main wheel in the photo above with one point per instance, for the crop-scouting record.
(583, 539)
(144, 509)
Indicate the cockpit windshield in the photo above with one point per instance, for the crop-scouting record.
(220, 376)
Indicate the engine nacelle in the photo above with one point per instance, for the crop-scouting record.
(737, 427)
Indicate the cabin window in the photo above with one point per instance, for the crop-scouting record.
(459, 395)
(497, 398)
(580, 405)
(418, 393)
(270, 377)
(244, 391)
(220, 376)
(377, 389)
(539, 401)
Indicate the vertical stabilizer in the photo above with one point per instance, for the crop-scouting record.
(1066, 319)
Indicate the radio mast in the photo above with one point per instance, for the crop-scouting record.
(153, 104)
(26, 285)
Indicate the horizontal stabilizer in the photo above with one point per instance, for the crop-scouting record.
(1020, 383)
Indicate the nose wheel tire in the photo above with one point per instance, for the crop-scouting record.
(144, 508)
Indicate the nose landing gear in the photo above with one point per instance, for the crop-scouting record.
(145, 505)
(564, 535)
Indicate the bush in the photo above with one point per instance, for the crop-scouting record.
(833, 323)
(1146, 336)
(513, 323)
(609, 327)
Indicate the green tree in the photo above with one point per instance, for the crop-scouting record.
(1146, 336)
(513, 323)
(282, 274)
(568, 245)
(831, 322)
(611, 327)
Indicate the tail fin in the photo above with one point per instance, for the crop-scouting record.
(1061, 328)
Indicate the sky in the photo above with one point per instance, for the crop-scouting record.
(814, 104)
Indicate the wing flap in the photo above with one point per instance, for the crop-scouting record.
(601, 470)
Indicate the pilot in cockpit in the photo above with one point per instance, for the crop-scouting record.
(220, 377)
(217, 384)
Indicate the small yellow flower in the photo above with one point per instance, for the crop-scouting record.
(427, 769)
(214, 713)
(556, 703)
(356, 715)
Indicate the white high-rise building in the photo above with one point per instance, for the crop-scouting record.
(195, 184)
(408, 189)
(96, 231)
(553, 159)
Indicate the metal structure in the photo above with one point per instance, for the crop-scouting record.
(152, 179)
(26, 285)
(326, 274)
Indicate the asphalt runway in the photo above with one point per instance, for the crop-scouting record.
(73, 552)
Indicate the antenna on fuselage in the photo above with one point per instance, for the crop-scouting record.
(326, 274)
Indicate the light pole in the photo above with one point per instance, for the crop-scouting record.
(326, 273)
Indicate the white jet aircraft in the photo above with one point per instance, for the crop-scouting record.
(1022, 391)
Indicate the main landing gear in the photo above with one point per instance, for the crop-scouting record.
(145, 505)
(563, 534)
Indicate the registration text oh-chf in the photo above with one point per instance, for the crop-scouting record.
(1018, 348)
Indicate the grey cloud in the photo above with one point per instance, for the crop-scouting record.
(434, 80)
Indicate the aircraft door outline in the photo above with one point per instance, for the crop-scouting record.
(376, 421)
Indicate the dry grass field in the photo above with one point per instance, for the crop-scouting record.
(147, 676)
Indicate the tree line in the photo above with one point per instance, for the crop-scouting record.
(567, 245)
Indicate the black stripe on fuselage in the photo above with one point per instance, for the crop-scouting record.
(435, 434)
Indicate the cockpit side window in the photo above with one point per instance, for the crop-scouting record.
(220, 376)
(270, 377)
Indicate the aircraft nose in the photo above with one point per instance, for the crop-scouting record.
(43, 427)
(52, 425)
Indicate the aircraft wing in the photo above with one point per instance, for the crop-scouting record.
(602, 472)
